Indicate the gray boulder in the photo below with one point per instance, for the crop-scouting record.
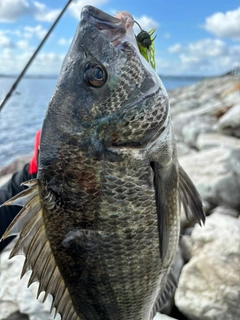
(208, 106)
(17, 316)
(209, 285)
(160, 316)
(189, 125)
(229, 123)
(6, 172)
(15, 297)
(15, 166)
(215, 170)
(186, 244)
(216, 140)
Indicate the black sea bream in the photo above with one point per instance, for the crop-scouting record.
(100, 224)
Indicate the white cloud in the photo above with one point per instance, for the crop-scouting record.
(203, 57)
(190, 62)
(37, 31)
(162, 65)
(64, 41)
(224, 25)
(208, 47)
(167, 35)
(5, 42)
(75, 8)
(12, 10)
(175, 48)
(146, 23)
(45, 63)
(22, 44)
(12, 32)
(207, 55)
(42, 13)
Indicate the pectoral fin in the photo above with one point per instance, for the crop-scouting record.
(34, 244)
(190, 198)
(165, 184)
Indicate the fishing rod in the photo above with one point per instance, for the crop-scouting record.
(8, 95)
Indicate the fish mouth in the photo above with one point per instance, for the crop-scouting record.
(114, 29)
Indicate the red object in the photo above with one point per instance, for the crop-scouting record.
(33, 165)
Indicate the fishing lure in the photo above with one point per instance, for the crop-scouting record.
(146, 47)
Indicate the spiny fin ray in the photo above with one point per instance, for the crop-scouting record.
(190, 197)
(34, 244)
(164, 295)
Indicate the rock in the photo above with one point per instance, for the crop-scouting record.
(227, 211)
(185, 105)
(209, 285)
(15, 165)
(195, 127)
(5, 179)
(160, 316)
(183, 149)
(234, 163)
(205, 107)
(216, 174)
(7, 308)
(186, 222)
(7, 171)
(186, 244)
(17, 316)
(188, 231)
(213, 140)
(188, 125)
(14, 294)
(230, 122)
(211, 94)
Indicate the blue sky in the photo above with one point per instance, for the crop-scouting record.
(193, 37)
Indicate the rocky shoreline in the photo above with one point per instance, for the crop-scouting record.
(206, 119)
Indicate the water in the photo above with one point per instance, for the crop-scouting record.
(23, 114)
(176, 82)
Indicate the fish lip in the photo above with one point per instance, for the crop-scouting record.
(112, 28)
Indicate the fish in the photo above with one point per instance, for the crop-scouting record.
(100, 224)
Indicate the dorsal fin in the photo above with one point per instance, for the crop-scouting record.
(34, 244)
(190, 197)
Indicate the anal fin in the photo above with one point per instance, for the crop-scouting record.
(164, 295)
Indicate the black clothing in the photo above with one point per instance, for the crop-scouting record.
(8, 190)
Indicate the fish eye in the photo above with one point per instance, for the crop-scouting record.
(95, 74)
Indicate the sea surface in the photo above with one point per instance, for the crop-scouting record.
(23, 113)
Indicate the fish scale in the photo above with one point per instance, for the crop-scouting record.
(141, 192)
(132, 75)
(138, 124)
(100, 224)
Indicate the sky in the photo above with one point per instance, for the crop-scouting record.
(200, 37)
